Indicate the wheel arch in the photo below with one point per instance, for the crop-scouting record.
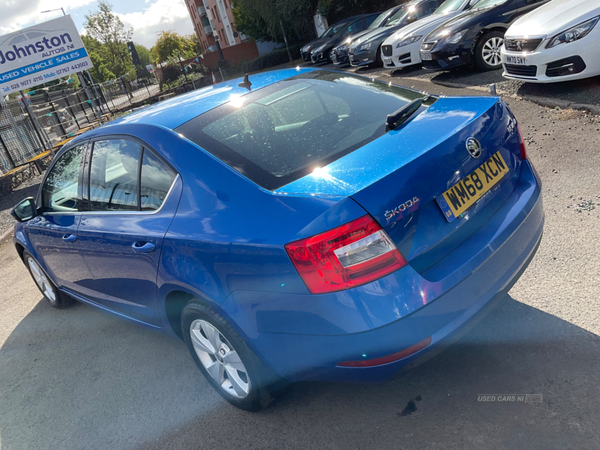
(20, 250)
(484, 31)
(174, 303)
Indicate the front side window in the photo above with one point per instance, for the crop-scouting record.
(61, 189)
(114, 175)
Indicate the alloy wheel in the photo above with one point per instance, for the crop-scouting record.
(42, 281)
(491, 51)
(220, 359)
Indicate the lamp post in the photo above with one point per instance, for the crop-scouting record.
(50, 10)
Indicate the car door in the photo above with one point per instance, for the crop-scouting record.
(132, 196)
(53, 233)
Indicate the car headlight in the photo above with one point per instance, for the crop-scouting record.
(306, 49)
(456, 37)
(365, 46)
(573, 34)
(342, 47)
(407, 41)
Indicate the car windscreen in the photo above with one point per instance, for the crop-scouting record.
(488, 3)
(378, 21)
(449, 6)
(282, 132)
(399, 16)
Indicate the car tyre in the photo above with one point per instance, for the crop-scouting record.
(487, 51)
(226, 361)
(49, 290)
(378, 59)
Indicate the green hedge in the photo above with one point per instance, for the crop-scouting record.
(275, 58)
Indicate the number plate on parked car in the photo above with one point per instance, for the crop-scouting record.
(467, 191)
(516, 60)
(426, 56)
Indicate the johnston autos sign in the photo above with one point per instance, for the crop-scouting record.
(41, 53)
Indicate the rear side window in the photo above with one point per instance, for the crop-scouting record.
(157, 179)
(280, 133)
(61, 188)
(114, 175)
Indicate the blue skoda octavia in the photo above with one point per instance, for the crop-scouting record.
(300, 225)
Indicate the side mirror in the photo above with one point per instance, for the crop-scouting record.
(25, 210)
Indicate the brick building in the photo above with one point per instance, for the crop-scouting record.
(214, 18)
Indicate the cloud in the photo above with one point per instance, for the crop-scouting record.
(154, 15)
(17, 14)
(161, 15)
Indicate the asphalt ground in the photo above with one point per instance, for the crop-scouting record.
(82, 379)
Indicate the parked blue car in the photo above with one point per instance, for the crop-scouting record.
(315, 225)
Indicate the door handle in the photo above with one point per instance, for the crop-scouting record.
(69, 238)
(140, 247)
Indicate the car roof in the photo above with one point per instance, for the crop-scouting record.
(178, 110)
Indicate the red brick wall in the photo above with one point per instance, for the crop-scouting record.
(245, 51)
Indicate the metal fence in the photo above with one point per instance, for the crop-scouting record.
(45, 118)
(19, 141)
(121, 94)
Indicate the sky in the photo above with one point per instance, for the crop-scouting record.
(146, 17)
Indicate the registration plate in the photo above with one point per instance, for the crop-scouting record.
(474, 186)
(426, 56)
(519, 60)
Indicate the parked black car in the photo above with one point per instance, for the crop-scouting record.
(322, 51)
(366, 49)
(327, 34)
(339, 54)
(474, 37)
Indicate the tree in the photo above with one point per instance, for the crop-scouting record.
(144, 54)
(109, 31)
(172, 45)
(100, 59)
(167, 44)
(262, 19)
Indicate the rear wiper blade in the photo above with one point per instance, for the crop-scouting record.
(400, 116)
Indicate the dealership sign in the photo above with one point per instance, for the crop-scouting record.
(41, 53)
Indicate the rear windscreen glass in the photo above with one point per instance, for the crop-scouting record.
(282, 132)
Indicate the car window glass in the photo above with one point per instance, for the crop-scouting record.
(379, 20)
(398, 17)
(114, 175)
(61, 188)
(369, 20)
(430, 7)
(448, 6)
(157, 179)
(355, 27)
(280, 133)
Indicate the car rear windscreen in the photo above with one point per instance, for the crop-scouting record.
(282, 132)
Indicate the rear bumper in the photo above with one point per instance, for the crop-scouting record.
(303, 337)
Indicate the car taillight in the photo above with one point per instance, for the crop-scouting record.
(522, 142)
(347, 256)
